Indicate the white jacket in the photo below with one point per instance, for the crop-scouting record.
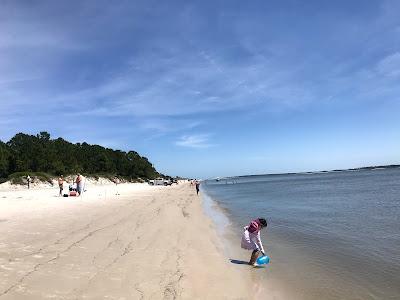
(251, 240)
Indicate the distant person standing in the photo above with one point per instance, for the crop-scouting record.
(197, 186)
(28, 179)
(116, 181)
(61, 184)
(79, 184)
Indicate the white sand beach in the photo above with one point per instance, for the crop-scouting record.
(146, 243)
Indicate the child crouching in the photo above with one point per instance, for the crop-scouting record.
(251, 239)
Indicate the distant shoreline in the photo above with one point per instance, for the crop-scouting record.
(384, 167)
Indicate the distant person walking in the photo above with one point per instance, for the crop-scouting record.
(61, 184)
(116, 181)
(197, 187)
(79, 184)
(28, 179)
(251, 239)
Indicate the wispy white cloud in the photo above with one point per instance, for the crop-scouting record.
(181, 78)
(165, 125)
(169, 83)
(194, 141)
(186, 86)
(390, 65)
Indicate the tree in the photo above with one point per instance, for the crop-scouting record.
(42, 154)
(4, 160)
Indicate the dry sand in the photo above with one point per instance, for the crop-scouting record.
(146, 243)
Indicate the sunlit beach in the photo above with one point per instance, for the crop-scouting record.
(200, 150)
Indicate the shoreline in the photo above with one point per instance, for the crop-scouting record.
(313, 259)
(262, 281)
(278, 278)
(148, 242)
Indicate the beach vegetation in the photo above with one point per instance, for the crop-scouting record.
(4, 160)
(21, 177)
(43, 158)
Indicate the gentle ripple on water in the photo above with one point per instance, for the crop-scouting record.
(339, 230)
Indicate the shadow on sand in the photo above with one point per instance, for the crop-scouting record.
(239, 262)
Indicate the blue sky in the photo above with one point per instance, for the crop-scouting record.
(208, 88)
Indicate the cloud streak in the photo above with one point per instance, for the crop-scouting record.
(197, 141)
(154, 74)
(390, 65)
(183, 77)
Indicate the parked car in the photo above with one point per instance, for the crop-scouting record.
(160, 181)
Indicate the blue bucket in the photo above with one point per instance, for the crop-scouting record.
(263, 260)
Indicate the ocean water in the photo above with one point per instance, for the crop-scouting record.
(331, 235)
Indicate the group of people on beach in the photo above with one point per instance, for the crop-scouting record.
(196, 183)
(75, 186)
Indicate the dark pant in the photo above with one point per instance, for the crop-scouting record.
(79, 188)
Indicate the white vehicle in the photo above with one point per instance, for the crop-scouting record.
(167, 182)
(160, 181)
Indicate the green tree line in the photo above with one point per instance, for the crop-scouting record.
(40, 153)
